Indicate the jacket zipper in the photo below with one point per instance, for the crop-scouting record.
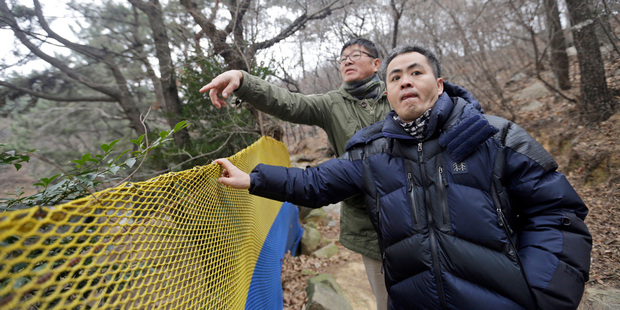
(378, 214)
(411, 196)
(443, 196)
(503, 223)
(379, 228)
(432, 232)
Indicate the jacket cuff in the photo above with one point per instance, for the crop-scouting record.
(244, 86)
(253, 176)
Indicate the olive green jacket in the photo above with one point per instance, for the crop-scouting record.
(340, 115)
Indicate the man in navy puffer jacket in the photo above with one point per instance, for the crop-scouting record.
(470, 210)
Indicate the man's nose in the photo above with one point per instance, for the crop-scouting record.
(406, 83)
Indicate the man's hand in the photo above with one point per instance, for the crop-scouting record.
(233, 176)
(223, 85)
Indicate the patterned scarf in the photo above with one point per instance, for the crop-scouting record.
(417, 127)
(366, 88)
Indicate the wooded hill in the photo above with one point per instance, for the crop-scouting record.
(75, 75)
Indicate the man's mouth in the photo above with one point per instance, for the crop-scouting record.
(408, 95)
(349, 70)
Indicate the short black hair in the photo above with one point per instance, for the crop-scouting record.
(367, 44)
(403, 49)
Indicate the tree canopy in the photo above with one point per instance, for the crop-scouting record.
(119, 59)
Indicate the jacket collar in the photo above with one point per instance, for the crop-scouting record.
(440, 112)
(460, 130)
(468, 129)
(456, 118)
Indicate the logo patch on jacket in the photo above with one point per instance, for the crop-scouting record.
(458, 168)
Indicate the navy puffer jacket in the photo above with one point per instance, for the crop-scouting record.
(453, 235)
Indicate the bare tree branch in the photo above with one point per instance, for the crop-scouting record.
(58, 98)
(21, 35)
(296, 25)
(216, 36)
(119, 90)
(82, 49)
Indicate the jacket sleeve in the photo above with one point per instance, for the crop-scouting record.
(314, 187)
(554, 242)
(277, 101)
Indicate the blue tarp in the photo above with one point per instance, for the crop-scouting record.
(266, 286)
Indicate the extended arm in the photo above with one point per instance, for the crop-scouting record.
(330, 182)
(269, 98)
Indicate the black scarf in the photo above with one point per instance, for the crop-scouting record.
(366, 88)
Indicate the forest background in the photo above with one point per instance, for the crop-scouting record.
(86, 79)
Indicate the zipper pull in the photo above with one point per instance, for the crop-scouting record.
(420, 154)
(409, 182)
(442, 177)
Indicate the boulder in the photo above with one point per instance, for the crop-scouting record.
(324, 293)
(532, 92)
(310, 240)
(532, 106)
(326, 251)
(318, 216)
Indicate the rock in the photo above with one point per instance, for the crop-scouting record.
(308, 272)
(310, 240)
(516, 78)
(600, 299)
(333, 209)
(312, 224)
(318, 216)
(303, 212)
(531, 105)
(324, 293)
(326, 251)
(534, 91)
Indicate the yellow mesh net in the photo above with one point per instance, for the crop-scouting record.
(177, 241)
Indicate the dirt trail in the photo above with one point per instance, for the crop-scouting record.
(351, 276)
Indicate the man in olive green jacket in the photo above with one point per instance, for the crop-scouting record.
(359, 102)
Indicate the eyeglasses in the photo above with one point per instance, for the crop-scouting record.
(354, 56)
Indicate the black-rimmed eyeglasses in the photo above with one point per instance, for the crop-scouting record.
(354, 56)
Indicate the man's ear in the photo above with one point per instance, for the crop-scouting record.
(377, 64)
(439, 86)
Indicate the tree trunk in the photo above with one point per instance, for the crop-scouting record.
(168, 77)
(596, 101)
(557, 43)
(397, 13)
(127, 103)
